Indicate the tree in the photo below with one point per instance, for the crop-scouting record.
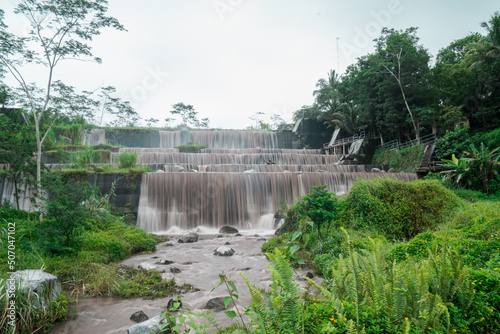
(405, 61)
(59, 30)
(124, 113)
(151, 121)
(17, 144)
(188, 115)
(488, 48)
(259, 123)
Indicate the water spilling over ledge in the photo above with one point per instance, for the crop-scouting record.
(189, 200)
(241, 179)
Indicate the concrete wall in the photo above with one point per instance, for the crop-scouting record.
(127, 189)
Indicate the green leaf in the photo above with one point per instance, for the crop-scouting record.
(227, 300)
(230, 314)
(231, 284)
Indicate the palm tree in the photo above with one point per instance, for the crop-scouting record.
(327, 95)
(487, 48)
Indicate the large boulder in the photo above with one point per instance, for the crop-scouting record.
(228, 230)
(148, 327)
(189, 236)
(42, 287)
(224, 251)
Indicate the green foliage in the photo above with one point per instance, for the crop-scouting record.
(65, 213)
(17, 144)
(403, 160)
(194, 148)
(29, 317)
(491, 139)
(479, 170)
(454, 142)
(396, 209)
(319, 208)
(188, 115)
(127, 160)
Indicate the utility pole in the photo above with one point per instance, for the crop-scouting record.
(338, 59)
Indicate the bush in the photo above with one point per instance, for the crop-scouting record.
(127, 160)
(194, 148)
(319, 207)
(491, 139)
(401, 160)
(396, 209)
(454, 142)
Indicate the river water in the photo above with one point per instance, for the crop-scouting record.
(198, 266)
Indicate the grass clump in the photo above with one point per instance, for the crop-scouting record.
(402, 160)
(127, 160)
(191, 148)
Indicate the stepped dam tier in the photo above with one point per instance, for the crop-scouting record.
(241, 180)
(243, 200)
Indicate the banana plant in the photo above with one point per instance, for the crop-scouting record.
(458, 168)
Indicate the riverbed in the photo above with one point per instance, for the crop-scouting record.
(198, 267)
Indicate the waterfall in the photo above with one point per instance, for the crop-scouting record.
(189, 200)
(7, 194)
(94, 137)
(221, 139)
(240, 179)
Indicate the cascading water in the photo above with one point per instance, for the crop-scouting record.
(94, 137)
(225, 139)
(231, 182)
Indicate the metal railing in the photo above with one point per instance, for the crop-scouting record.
(396, 145)
(360, 135)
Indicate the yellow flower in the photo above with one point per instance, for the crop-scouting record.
(406, 318)
(454, 330)
(473, 283)
(474, 291)
(314, 303)
(335, 320)
(345, 319)
(491, 310)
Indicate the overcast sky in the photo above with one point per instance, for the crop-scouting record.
(233, 58)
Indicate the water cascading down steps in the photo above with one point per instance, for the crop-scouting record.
(240, 180)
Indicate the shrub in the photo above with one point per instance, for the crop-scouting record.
(396, 209)
(193, 148)
(401, 160)
(127, 159)
(454, 142)
(319, 207)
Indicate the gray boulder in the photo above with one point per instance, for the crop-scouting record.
(376, 170)
(178, 169)
(228, 230)
(392, 170)
(224, 251)
(160, 171)
(250, 171)
(148, 327)
(34, 281)
(165, 262)
(139, 316)
(217, 304)
(175, 270)
(188, 237)
(148, 266)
